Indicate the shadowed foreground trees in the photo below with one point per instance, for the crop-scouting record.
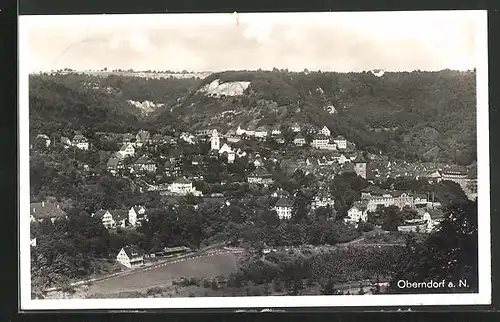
(450, 254)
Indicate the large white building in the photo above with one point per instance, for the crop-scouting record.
(183, 186)
(321, 141)
(225, 149)
(261, 132)
(341, 142)
(284, 208)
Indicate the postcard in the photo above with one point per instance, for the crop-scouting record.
(254, 160)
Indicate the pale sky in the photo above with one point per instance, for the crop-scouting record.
(212, 42)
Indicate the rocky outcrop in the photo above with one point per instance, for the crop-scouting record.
(216, 88)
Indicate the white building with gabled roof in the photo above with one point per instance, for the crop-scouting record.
(127, 150)
(225, 149)
(325, 131)
(130, 257)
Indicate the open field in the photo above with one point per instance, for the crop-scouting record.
(202, 267)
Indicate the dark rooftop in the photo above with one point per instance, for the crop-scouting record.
(46, 209)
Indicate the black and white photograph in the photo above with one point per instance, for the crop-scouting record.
(258, 160)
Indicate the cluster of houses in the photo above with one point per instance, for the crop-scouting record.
(121, 218)
(260, 176)
(48, 210)
(335, 163)
(183, 187)
(284, 205)
(323, 140)
(341, 159)
(128, 149)
(226, 149)
(372, 197)
(429, 212)
(259, 133)
(79, 141)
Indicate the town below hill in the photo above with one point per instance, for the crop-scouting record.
(425, 116)
(282, 160)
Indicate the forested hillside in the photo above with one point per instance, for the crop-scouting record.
(417, 115)
(66, 102)
(412, 115)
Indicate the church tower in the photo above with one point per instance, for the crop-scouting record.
(215, 140)
(360, 166)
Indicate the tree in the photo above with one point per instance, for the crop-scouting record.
(391, 218)
(277, 285)
(376, 287)
(214, 285)
(328, 288)
(266, 290)
(408, 213)
(294, 286)
(361, 290)
(450, 253)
